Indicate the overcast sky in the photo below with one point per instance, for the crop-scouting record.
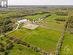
(40, 2)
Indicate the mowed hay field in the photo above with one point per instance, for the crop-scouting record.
(45, 37)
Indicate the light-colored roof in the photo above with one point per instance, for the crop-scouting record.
(22, 21)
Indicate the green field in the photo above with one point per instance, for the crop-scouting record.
(35, 17)
(46, 37)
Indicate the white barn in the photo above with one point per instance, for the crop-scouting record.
(23, 21)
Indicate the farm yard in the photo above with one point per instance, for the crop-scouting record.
(42, 33)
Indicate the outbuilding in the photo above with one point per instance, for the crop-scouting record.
(23, 21)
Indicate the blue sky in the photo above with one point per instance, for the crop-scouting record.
(40, 2)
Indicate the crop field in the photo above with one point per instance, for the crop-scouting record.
(45, 37)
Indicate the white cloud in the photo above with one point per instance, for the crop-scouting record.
(40, 2)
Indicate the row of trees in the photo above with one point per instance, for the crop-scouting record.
(68, 27)
(6, 24)
(62, 13)
(5, 49)
(70, 24)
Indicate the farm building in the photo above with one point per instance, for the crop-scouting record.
(23, 21)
